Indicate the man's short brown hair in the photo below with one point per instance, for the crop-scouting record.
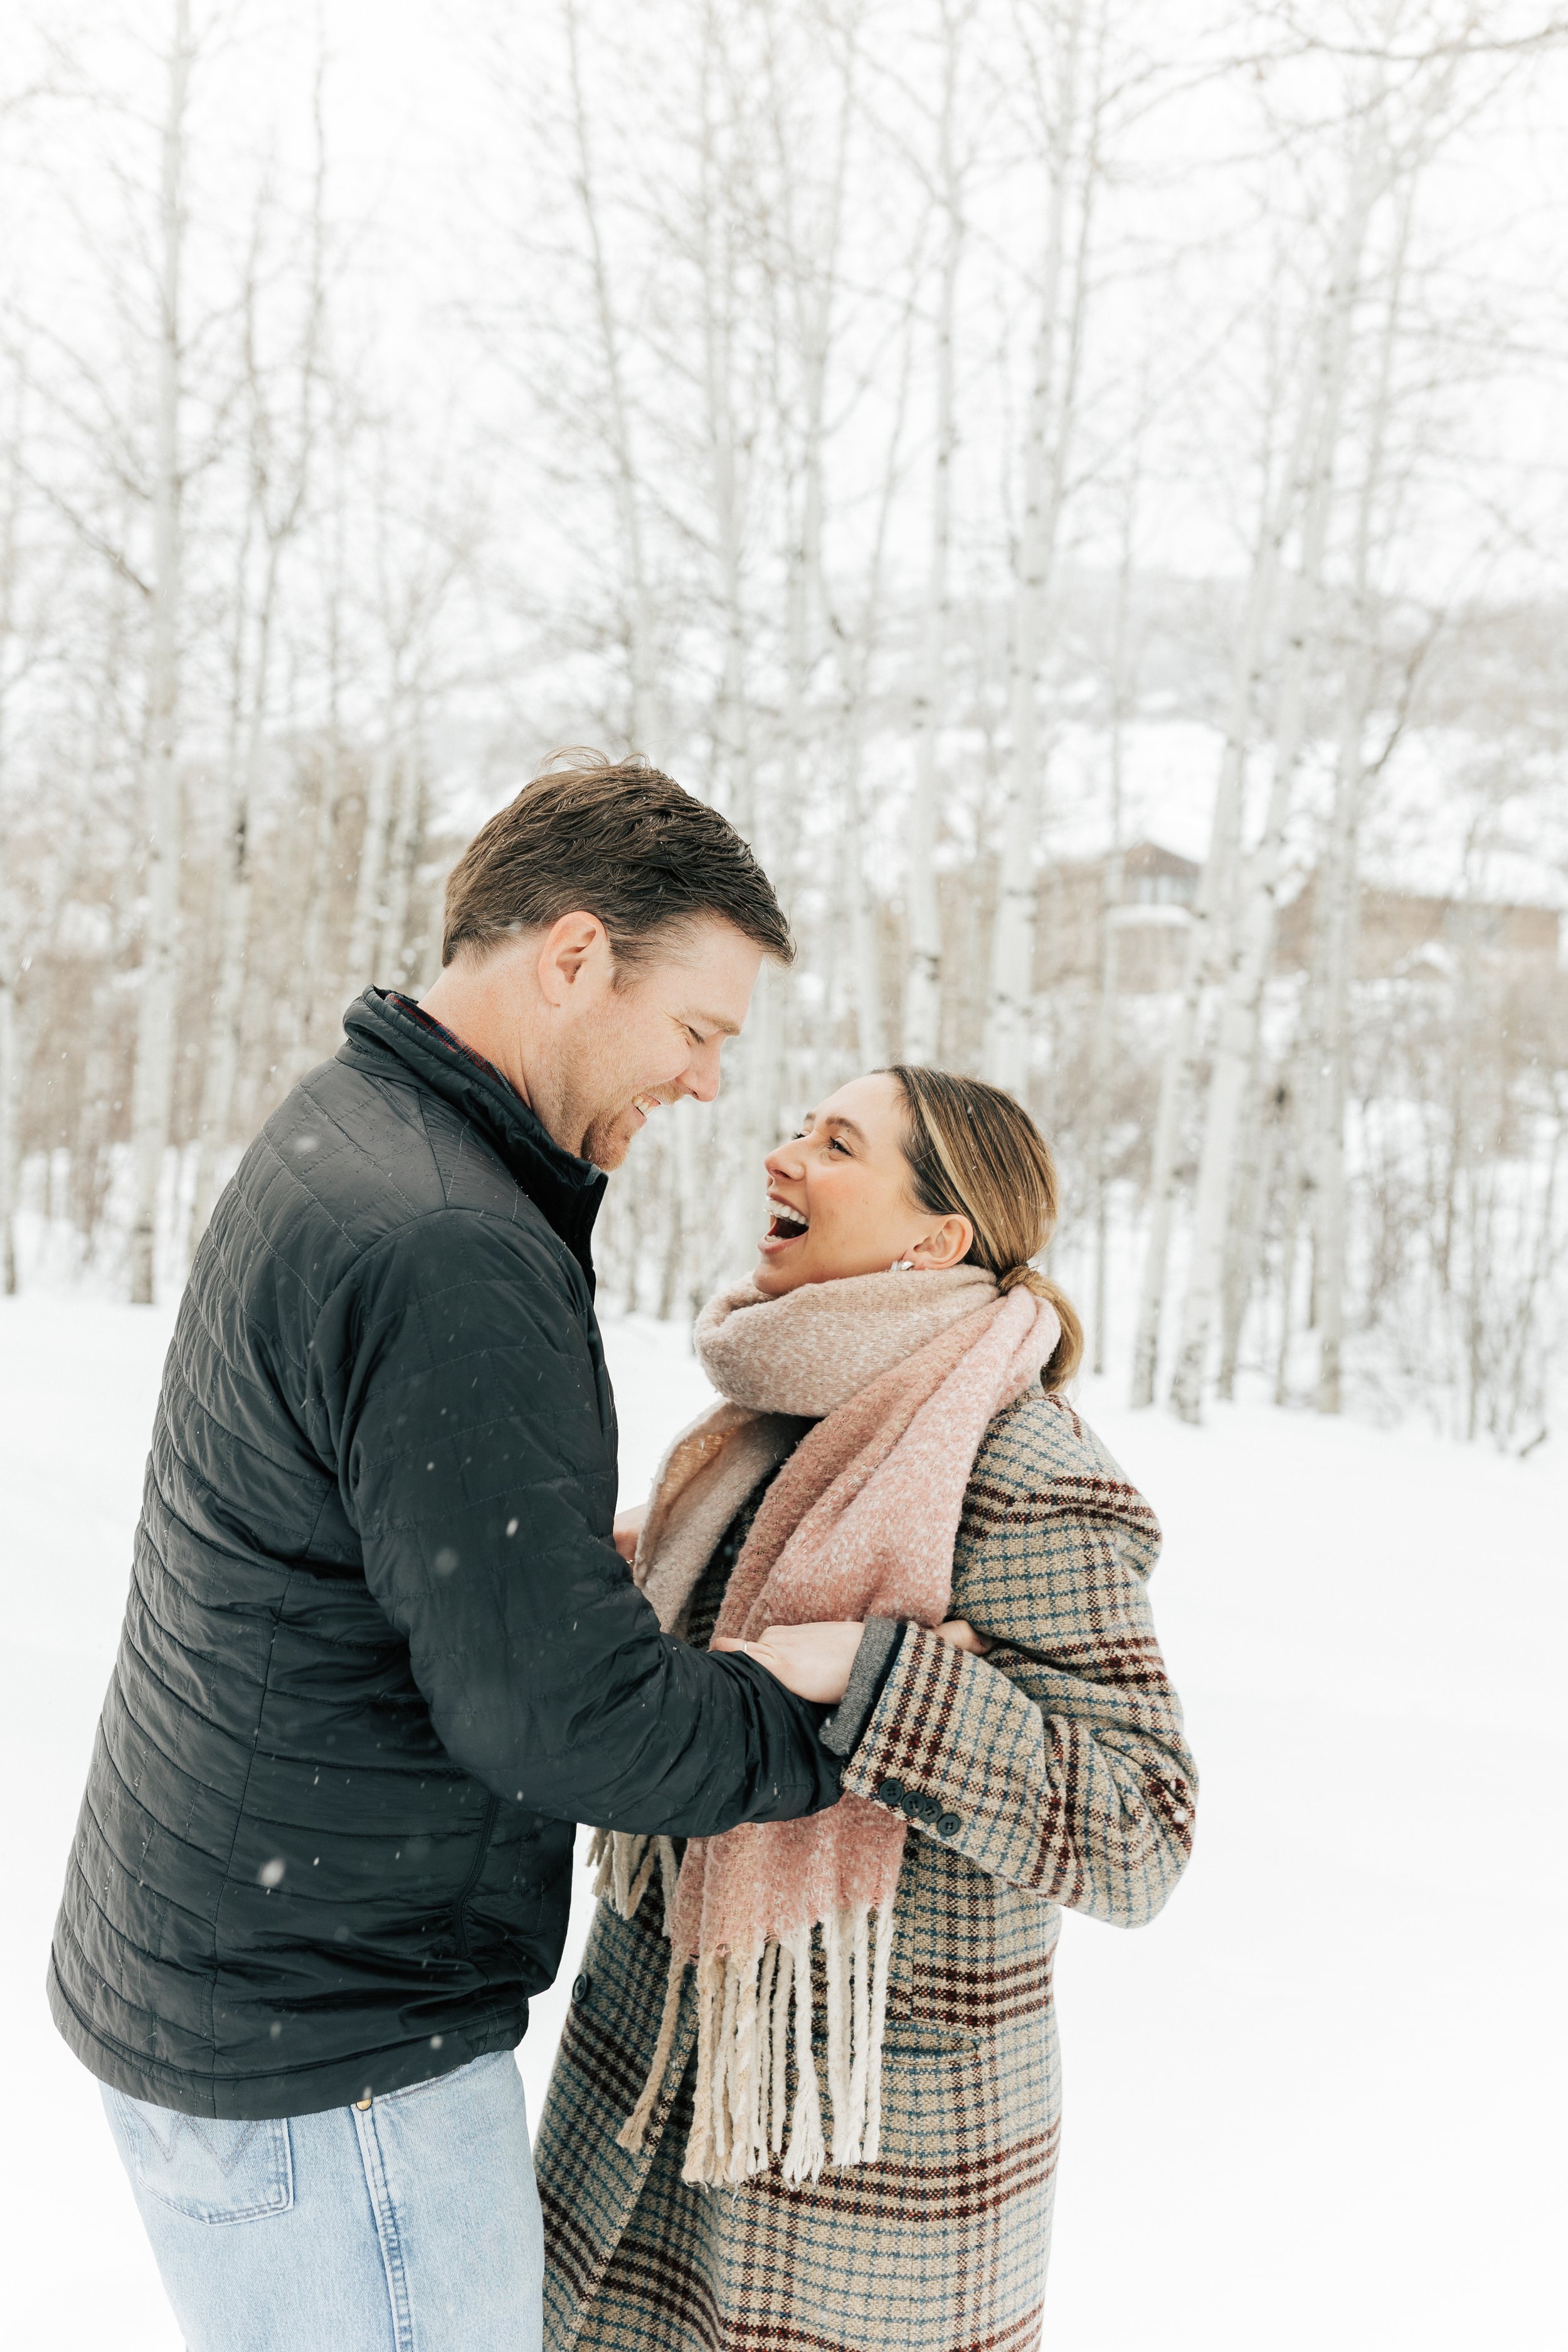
(619, 840)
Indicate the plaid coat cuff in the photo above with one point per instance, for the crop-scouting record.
(874, 1659)
(1067, 1805)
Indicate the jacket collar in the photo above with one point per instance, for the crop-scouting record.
(566, 1191)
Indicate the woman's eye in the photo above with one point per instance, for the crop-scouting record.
(839, 1144)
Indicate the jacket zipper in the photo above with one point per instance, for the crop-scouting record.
(459, 1909)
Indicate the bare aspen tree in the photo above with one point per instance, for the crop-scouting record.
(1103, 1047)
(1208, 933)
(365, 925)
(646, 731)
(807, 254)
(10, 924)
(804, 265)
(717, 229)
(1258, 881)
(402, 853)
(865, 963)
(154, 1085)
(759, 235)
(922, 997)
(1058, 347)
(858, 649)
(10, 1083)
(309, 1006)
(418, 561)
(1338, 867)
(279, 489)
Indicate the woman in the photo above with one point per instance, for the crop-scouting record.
(807, 2092)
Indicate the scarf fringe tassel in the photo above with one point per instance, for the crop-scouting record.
(753, 2012)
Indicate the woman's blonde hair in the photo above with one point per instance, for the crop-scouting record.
(975, 1152)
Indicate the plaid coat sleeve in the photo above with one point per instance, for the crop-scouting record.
(1056, 1762)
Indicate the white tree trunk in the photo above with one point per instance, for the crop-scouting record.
(222, 1065)
(1331, 1189)
(152, 1091)
(10, 930)
(1057, 342)
(1254, 1177)
(402, 858)
(1341, 863)
(10, 1098)
(922, 999)
(732, 730)
(645, 729)
(279, 506)
(857, 655)
(227, 1005)
(321, 997)
(365, 926)
(1206, 937)
(734, 780)
(317, 1002)
(1254, 933)
(1113, 883)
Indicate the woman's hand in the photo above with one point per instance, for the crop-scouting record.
(960, 1634)
(812, 1661)
(629, 1526)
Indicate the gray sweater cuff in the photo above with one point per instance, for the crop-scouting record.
(874, 1660)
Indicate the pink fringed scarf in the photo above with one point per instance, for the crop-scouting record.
(906, 1370)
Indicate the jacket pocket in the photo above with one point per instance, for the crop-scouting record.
(207, 2170)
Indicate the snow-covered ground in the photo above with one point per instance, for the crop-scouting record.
(1319, 2103)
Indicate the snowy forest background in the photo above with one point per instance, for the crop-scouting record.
(1080, 482)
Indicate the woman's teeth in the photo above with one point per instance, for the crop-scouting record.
(790, 1221)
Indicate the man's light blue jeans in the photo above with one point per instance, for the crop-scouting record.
(410, 2225)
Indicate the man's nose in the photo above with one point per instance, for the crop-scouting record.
(700, 1076)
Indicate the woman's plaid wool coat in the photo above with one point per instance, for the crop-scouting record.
(1051, 1771)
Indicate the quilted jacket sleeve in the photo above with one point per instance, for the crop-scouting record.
(461, 1402)
(1058, 1761)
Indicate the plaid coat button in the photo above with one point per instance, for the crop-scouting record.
(580, 1988)
(889, 1791)
(948, 1825)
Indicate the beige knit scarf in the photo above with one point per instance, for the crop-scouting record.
(902, 1373)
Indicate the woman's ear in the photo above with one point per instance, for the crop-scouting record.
(948, 1244)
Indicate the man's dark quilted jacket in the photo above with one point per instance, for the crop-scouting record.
(380, 1652)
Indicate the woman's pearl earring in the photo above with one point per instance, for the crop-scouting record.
(902, 1266)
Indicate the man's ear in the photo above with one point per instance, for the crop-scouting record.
(575, 948)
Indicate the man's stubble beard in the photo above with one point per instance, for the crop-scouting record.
(606, 1143)
(586, 1111)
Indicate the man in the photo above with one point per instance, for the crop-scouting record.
(380, 1651)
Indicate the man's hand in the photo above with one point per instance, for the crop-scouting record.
(627, 1527)
(814, 1661)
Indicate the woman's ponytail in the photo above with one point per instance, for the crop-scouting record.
(1068, 1353)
